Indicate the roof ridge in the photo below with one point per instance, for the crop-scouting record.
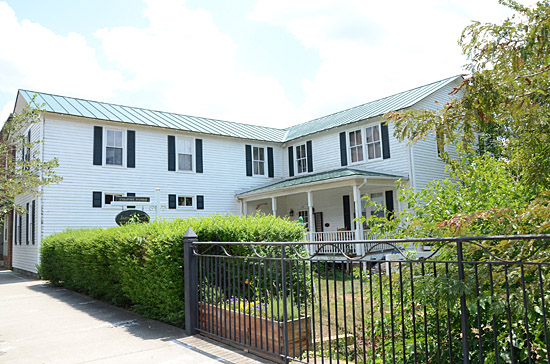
(379, 99)
(154, 110)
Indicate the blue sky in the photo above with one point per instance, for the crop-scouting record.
(267, 62)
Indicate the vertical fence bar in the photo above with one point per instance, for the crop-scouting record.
(463, 308)
(285, 312)
(546, 343)
(526, 317)
(190, 282)
(509, 312)
(478, 308)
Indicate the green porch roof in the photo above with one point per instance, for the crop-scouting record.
(317, 177)
(134, 115)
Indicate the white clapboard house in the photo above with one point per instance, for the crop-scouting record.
(195, 166)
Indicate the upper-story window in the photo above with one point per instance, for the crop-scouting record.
(258, 159)
(301, 158)
(185, 154)
(114, 148)
(374, 149)
(355, 146)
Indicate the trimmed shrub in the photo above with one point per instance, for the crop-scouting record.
(140, 266)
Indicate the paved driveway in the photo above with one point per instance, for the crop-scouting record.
(44, 324)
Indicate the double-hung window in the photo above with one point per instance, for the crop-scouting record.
(114, 147)
(301, 158)
(355, 146)
(110, 197)
(374, 149)
(258, 159)
(185, 154)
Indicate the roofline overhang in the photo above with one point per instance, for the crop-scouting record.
(316, 186)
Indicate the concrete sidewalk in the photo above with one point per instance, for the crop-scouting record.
(44, 324)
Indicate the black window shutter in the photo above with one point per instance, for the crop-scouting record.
(389, 204)
(131, 194)
(171, 153)
(198, 155)
(385, 140)
(248, 153)
(20, 229)
(33, 222)
(347, 214)
(27, 225)
(98, 145)
(171, 201)
(290, 161)
(270, 170)
(309, 156)
(200, 202)
(96, 199)
(343, 150)
(131, 143)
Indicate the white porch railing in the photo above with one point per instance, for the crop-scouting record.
(349, 249)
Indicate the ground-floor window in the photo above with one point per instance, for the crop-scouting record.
(185, 202)
(304, 215)
(110, 197)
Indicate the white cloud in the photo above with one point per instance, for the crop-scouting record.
(187, 60)
(34, 57)
(374, 49)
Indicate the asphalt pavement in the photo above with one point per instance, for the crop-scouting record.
(43, 324)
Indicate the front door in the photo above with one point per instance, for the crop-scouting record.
(318, 222)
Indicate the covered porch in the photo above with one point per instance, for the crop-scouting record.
(328, 202)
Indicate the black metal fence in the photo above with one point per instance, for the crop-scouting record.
(464, 304)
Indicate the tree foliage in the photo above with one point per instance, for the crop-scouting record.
(505, 98)
(23, 170)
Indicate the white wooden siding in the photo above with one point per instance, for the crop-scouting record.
(25, 256)
(427, 165)
(69, 203)
(326, 151)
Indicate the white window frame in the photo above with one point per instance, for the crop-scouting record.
(303, 159)
(379, 142)
(105, 146)
(368, 212)
(305, 216)
(262, 161)
(193, 161)
(193, 202)
(361, 146)
(113, 200)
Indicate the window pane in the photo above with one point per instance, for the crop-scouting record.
(375, 133)
(377, 150)
(256, 153)
(369, 135)
(118, 139)
(262, 154)
(108, 199)
(110, 137)
(358, 140)
(188, 201)
(256, 168)
(181, 201)
(353, 154)
(113, 156)
(360, 153)
(371, 151)
(261, 165)
(185, 162)
(352, 139)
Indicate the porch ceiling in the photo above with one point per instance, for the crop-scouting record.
(340, 174)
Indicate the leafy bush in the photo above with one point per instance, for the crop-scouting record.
(140, 266)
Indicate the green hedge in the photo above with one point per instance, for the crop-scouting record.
(140, 266)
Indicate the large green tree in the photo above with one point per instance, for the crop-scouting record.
(23, 169)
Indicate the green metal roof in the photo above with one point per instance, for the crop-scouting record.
(135, 115)
(371, 109)
(317, 177)
(139, 116)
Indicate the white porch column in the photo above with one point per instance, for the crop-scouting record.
(311, 219)
(274, 206)
(358, 212)
(244, 208)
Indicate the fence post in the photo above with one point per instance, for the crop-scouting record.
(463, 308)
(190, 274)
(285, 310)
